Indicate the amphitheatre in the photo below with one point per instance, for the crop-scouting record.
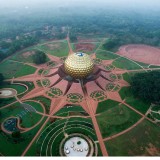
(79, 102)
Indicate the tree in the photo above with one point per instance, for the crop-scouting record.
(1, 78)
(5, 44)
(39, 57)
(16, 134)
(111, 43)
(147, 86)
(73, 37)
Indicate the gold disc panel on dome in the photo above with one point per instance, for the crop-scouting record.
(78, 65)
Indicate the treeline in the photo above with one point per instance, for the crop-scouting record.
(123, 27)
(147, 86)
(9, 47)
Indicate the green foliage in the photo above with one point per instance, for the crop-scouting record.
(111, 43)
(116, 119)
(16, 134)
(135, 142)
(39, 57)
(73, 37)
(1, 78)
(147, 86)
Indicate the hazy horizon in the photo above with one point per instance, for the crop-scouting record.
(66, 3)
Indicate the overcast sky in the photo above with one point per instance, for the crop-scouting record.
(30, 3)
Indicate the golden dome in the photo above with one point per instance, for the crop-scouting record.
(78, 65)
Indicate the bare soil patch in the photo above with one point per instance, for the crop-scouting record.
(152, 150)
(141, 53)
(84, 47)
(81, 39)
(27, 54)
(53, 46)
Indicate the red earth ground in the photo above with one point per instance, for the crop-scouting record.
(84, 47)
(141, 53)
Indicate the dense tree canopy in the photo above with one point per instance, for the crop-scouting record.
(72, 37)
(147, 86)
(21, 30)
(111, 44)
(1, 78)
(16, 134)
(39, 57)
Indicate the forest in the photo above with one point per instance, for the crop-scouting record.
(147, 86)
(20, 30)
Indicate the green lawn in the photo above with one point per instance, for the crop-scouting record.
(65, 110)
(25, 70)
(136, 142)
(106, 105)
(124, 63)
(116, 119)
(127, 77)
(61, 48)
(52, 135)
(18, 88)
(106, 55)
(6, 101)
(45, 101)
(13, 69)
(30, 87)
(21, 57)
(15, 147)
(126, 93)
(28, 118)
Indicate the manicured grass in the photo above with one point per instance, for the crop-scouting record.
(127, 77)
(99, 150)
(30, 87)
(144, 65)
(106, 55)
(25, 70)
(53, 134)
(15, 147)
(6, 101)
(116, 120)
(124, 63)
(152, 66)
(65, 110)
(106, 105)
(28, 118)
(59, 51)
(14, 69)
(126, 93)
(21, 57)
(45, 101)
(137, 142)
(18, 88)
